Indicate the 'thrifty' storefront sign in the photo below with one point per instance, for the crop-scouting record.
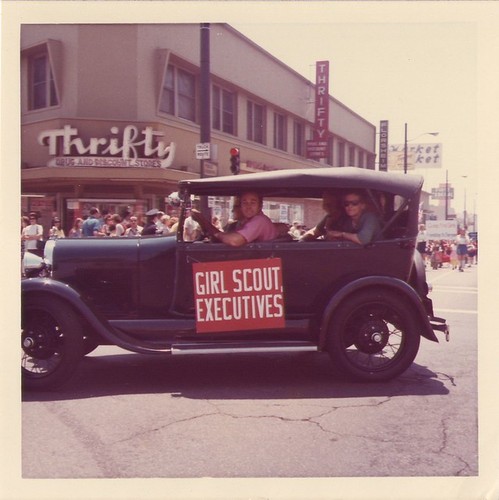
(238, 295)
(130, 148)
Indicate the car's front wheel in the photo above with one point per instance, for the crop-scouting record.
(372, 336)
(51, 341)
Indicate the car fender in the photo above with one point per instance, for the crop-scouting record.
(49, 287)
(418, 275)
(376, 282)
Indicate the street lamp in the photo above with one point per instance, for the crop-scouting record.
(406, 141)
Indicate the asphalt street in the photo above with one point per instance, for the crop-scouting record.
(267, 416)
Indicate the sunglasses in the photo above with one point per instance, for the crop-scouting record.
(346, 203)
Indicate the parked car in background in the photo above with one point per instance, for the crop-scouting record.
(366, 305)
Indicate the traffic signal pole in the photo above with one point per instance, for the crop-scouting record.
(205, 118)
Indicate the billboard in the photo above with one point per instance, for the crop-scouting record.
(423, 155)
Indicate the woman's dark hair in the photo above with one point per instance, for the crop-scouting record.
(356, 192)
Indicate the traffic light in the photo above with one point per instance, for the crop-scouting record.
(234, 160)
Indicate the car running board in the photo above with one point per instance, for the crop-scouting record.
(237, 347)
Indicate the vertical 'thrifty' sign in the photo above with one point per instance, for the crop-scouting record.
(238, 295)
(321, 100)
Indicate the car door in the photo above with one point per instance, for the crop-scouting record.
(189, 253)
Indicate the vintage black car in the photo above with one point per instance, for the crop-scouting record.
(365, 305)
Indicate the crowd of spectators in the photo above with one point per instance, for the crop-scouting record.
(457, 253)
(33, 236)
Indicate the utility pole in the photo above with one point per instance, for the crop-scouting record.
(405, 149)
(446, 194)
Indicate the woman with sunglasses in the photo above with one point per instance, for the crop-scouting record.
(360, 225)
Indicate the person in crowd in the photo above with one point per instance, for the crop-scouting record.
(165, 223)
(237, 220)
(257, 226)
(436, 252)
(116, 228)
(134, 230)
(173, 224)
(107, 224)
(92, 226)
(192, 229)
(33, 234)
(462, 241)
(421, 241)
(56, 230)
(330, 222)
(216, 222)
(159, 222)
(296, 230)
(360, 225)
(471, 253)
(76, 230)
(125, 217)
(24, 224)
(454, 261)
(150, 227)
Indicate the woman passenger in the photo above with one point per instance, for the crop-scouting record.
(360, 226)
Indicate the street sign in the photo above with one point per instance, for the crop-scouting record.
(441, 193)
(203, 151)
(441, 229)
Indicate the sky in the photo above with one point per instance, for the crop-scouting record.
(420, 73)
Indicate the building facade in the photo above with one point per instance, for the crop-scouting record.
(110, 116)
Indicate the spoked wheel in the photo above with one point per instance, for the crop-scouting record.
(372, 336)
(51, 342)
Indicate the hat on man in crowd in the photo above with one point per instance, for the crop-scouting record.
(152, 212)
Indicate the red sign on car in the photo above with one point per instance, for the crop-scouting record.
(238, 295)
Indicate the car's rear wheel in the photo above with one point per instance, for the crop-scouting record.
(52, 343)
(372, 336)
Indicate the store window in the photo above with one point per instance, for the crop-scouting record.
(224, 110)
(42, 91)
(371, 159)
(298, 138)
(361, 159)
(256, 122)
(351, 156)
(341, 154)
(179, 93)
(285, 210)
(280, 131)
